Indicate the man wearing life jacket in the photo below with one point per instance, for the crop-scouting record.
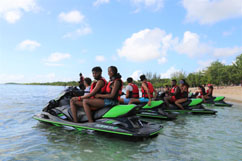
(111, 98)
(174, 94)
(147, 92)
(132, 91)
(97, 86)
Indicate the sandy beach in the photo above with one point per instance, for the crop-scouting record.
(231, 93)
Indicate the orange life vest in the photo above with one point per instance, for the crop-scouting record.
(102, 90)
(151, 90)
(110, 87)
(173, 89)
(135, 91)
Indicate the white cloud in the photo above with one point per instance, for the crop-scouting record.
(169, 72)
(12, 10)
(79, 32)
(100, 58)
(227, 51)
(72, 17)
(191, 45)
(162, 60)
(211, 11)
(154, 4)
(146, 45)
(28, 45)
(56, 57)
(136, 74)
(99, 2)
(228, 32)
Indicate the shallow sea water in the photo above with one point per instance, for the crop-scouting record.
(189, 138)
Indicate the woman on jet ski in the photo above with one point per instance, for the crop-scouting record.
(111, 98)
(209, 92)
(201, 92)
(183, 94)
(173, 94)
(98, 86)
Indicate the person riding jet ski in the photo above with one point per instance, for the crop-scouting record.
(201, 92)
(113, 92)
(87, 84)
(174, 93)
(147, 92)
(209, 94)
(132, 91)
(98, 86)
(183, 94)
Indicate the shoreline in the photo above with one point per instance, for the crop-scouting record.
(231, 93)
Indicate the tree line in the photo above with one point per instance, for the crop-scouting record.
(217, 73)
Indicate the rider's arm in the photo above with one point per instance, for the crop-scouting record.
(127, 93)
(146, 90)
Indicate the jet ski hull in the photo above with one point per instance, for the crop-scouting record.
(103, 125)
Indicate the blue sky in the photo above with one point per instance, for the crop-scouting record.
(46, 41)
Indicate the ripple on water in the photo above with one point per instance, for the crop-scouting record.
(190, 137)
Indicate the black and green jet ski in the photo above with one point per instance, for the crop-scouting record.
(217, 101)
(119, 119)
(193, 106)
(155, 111)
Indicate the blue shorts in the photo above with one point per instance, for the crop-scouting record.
(143, 100)
(126, 100)
(110, 102)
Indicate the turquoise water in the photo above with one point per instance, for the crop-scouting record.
(190, 137)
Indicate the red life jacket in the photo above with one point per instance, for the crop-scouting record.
(201, 93)
(173, 89)
(151, 89)
(110, 87)
(210, 95)
(135, 91)
(102, 90)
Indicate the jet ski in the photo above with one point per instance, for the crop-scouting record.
(217, 101)
(119, 119)
(214, 101)
(155, 111)
(193, 106)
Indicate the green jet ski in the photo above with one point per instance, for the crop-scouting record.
(155, 111)
(217, 101)
(193, 106)
(119, 119)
